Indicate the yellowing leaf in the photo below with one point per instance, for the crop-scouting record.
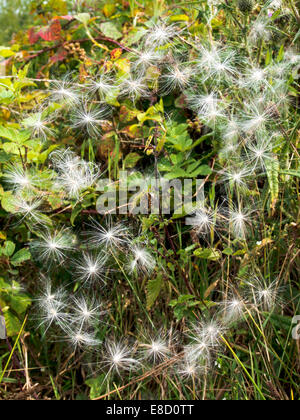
(123, 65)
(109, 9)
(179, 18)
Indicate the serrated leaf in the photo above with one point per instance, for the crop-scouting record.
(131, 160)
(20, 257)
(154, 287)
(12, 324)
(203, 170)
(19, 303)
(14, 135)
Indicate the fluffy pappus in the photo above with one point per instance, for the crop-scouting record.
(18, 178)
(118, 357)
(64, 92)
(91, 268)
(89, 118)
(53, 246)
(161, 34)
(176, 77)
(111, 236)
(86, 311)
(134, 88)
(142, 260)
(265, 295)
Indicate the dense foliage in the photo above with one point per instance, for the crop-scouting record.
(150, 306)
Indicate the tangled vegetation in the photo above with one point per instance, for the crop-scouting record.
(192, 303)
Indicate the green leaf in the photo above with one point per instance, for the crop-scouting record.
(20, 257)
(135, 35)
(228, 251)
(12, 324)
(279, 321)
(6, 96)
(201, 170)
(75, 212)
(97, 385)
(4, 157)
(83, 18)
(19, 303)
(8, 249)
(154, 287)
(181, 143)
(8, 202)
(208, 254)
(110, 30)
(14, 135)
(131, 160)
(176, 173)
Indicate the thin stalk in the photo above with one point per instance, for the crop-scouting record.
(133, 289)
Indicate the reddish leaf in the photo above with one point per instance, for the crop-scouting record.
(59, 56)
(33, 37)
(52, 33)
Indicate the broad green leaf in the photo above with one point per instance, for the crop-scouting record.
(14, 135)
(110, 30)
(83, 18)
(176, 173)
(8, 249)
(20, 257)
(131, 160)
(135, 35)
(97, 385)
(208, 254)
(154, 287)
(201, 170)
(8, 202)
(13, 325)
(19, 303)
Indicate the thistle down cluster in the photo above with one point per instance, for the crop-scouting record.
(245, 105)
(75, 318)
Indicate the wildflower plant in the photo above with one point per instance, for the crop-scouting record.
(180, 303)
